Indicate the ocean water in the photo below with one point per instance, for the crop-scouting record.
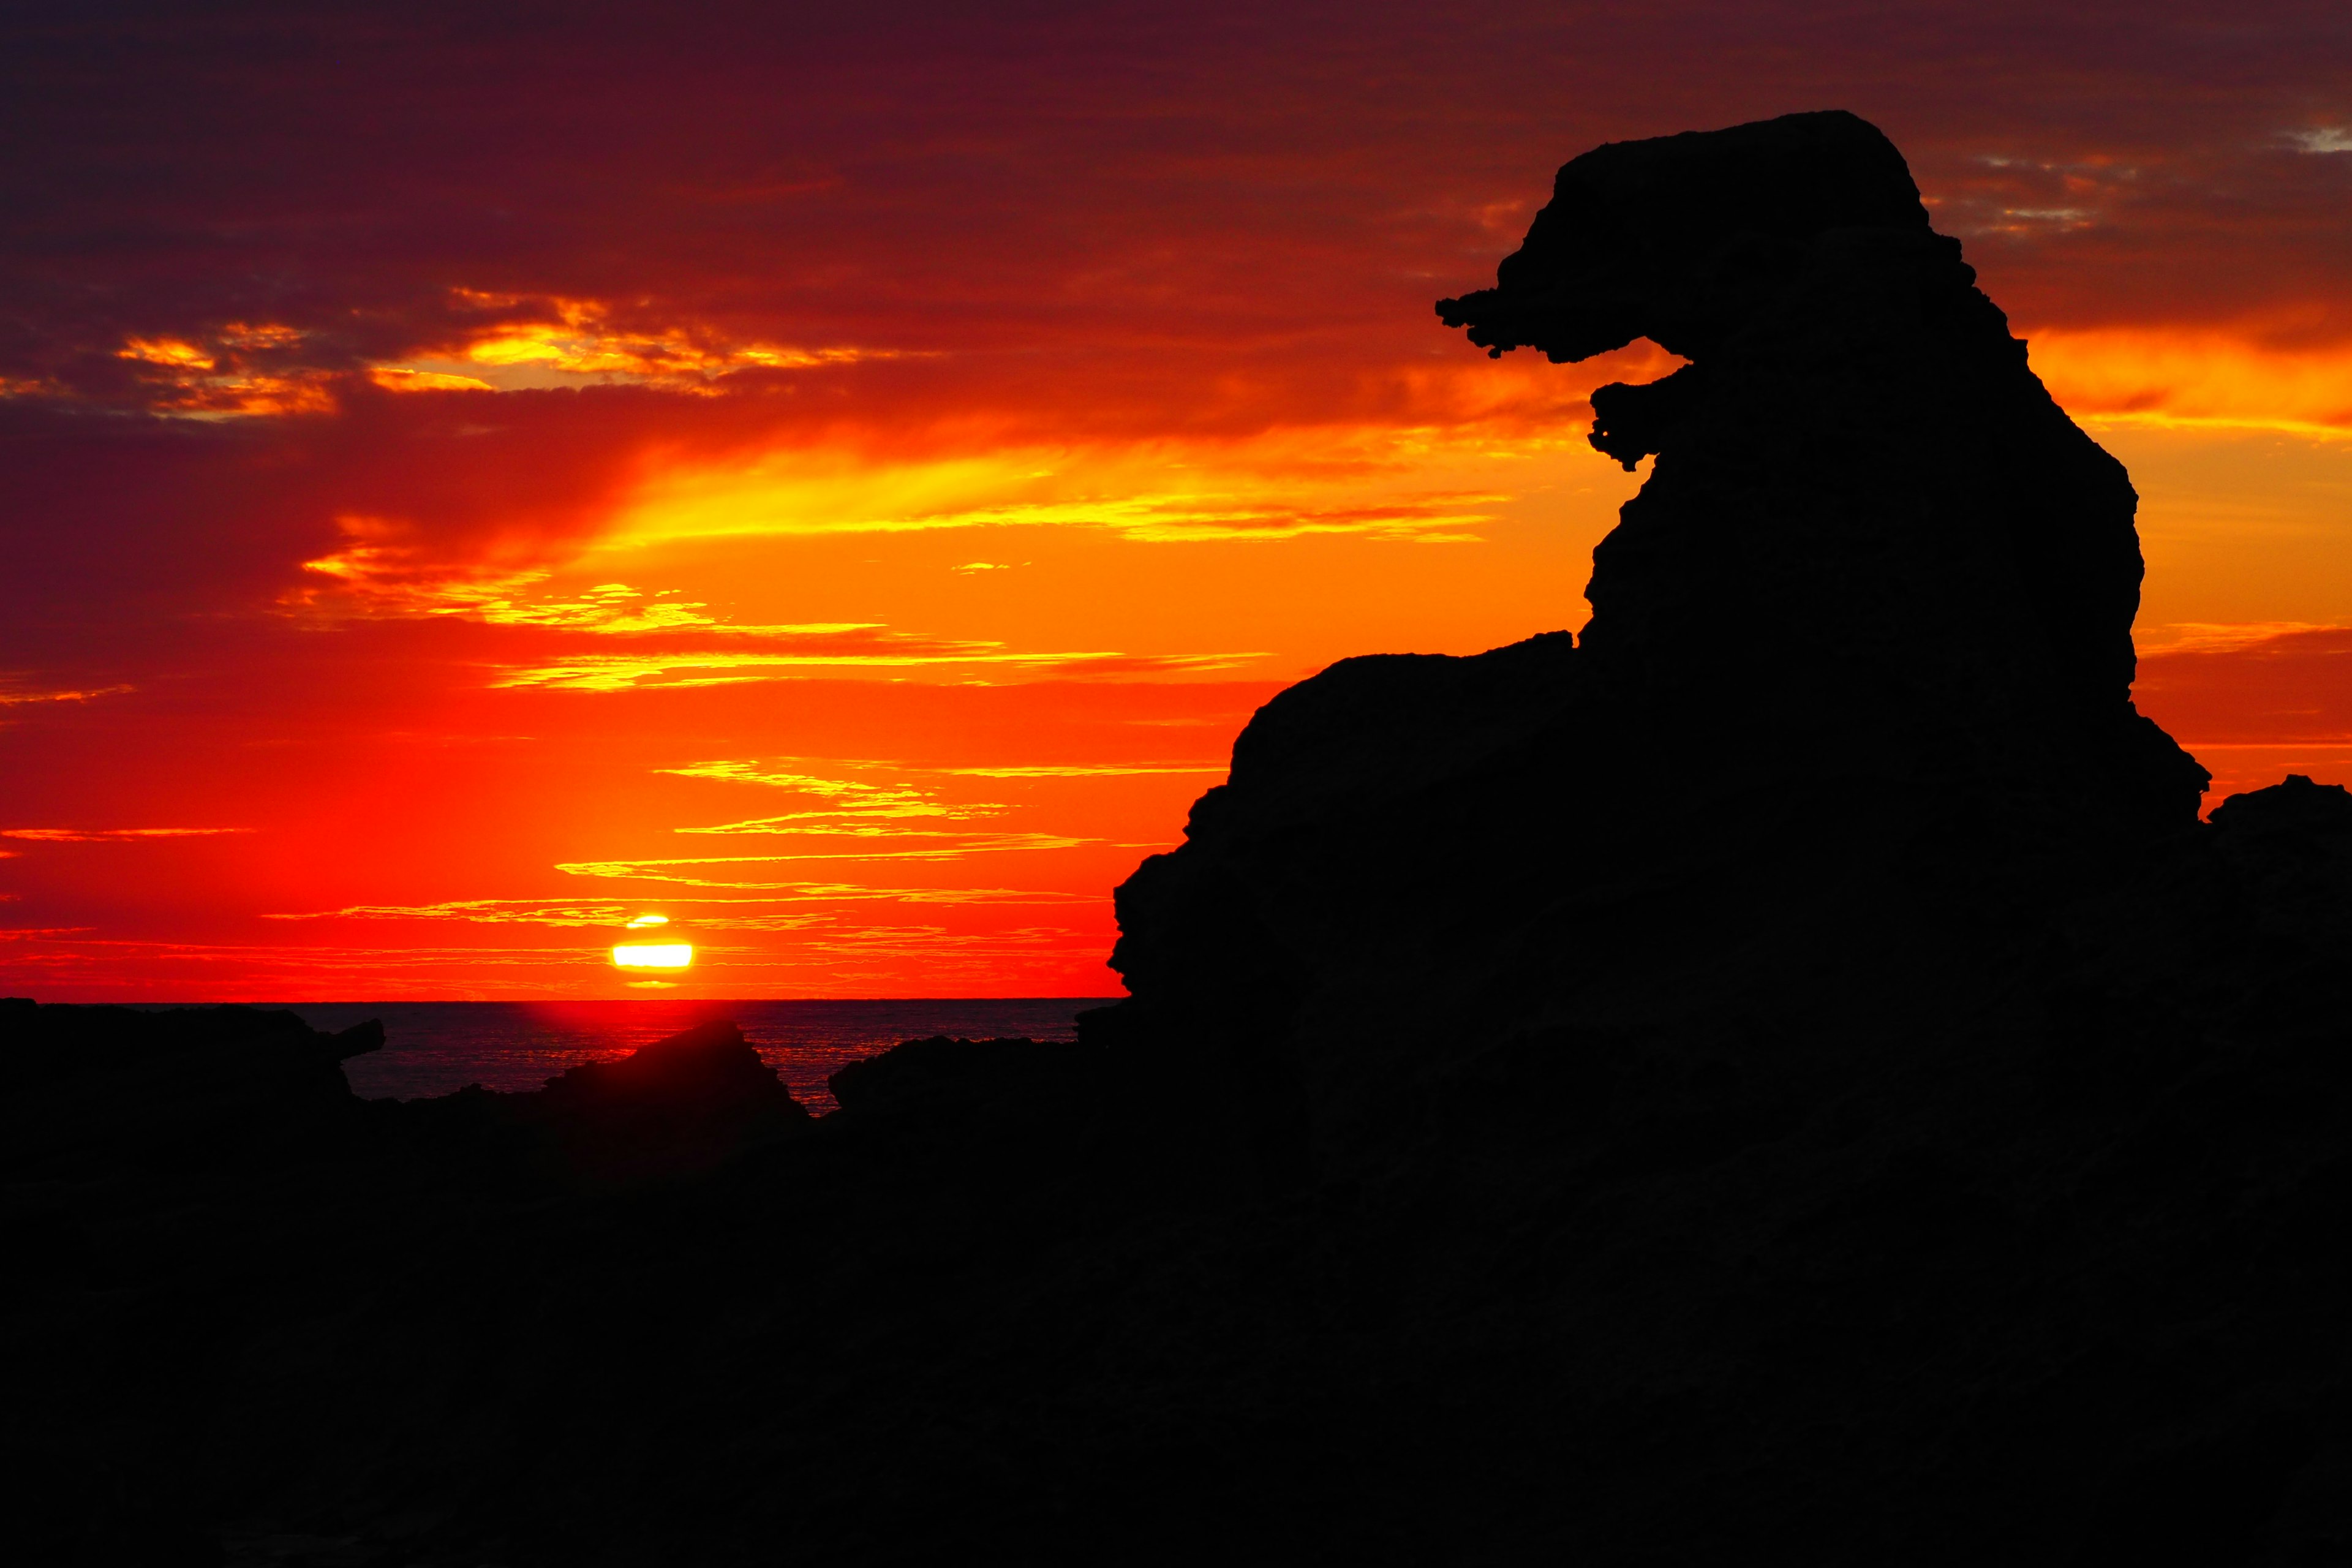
(436, 1047)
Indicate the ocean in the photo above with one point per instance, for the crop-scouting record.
(437, 1047)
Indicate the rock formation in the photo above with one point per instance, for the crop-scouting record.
(1862, 642)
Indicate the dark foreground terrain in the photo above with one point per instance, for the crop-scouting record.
(1785, 1075)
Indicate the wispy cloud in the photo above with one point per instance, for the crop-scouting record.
(661, 870)
(2219, 637)
(751, 773)
(763, 506)
(625, 672)
(12, 696)
(850, 800)
(240, 369)
(515, 341)
(831, 824)
(2198, 379)
(1083, 770)
(111, 834)
(708, 913)
(482, 911)
(383, 570)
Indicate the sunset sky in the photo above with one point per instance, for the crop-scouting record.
(839, 478)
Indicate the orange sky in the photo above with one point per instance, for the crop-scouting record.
(842, 487)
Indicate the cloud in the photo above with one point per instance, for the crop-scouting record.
(1291, 483)
(2255, 703)
(860, 809)
(2218, 636)
(1085, 770)
(625, 672)
(481, 911)
(708, 913)
(815, 783)
(380, 573)
(242, 376)
(840, 825)
(2266, 686)
(2324, 139)
(2248, 379)
(16, 696)
(518, 342)
(391, 378)
(658, 870)
(111, 834)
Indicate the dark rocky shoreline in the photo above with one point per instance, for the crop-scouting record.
(1785, 1074)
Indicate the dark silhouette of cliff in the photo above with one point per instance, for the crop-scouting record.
(1786, 1076)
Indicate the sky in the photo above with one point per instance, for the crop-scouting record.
(837, 480)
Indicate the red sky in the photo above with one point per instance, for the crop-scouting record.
(840, 481)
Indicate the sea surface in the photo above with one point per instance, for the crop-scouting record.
(437, 1047)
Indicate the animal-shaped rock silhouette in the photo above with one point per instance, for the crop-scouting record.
(1866, 627)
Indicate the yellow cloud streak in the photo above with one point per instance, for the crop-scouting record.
(582, 340)
(1082, 770)
(381, 574)
(863, 803)
(802, 784)
(2174, 379)
(392, 378)
(1358, 480)
(621, 672)
(541, 912)
(175, 352)
(634, 870)
(821, 823)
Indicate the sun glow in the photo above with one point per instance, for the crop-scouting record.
(676, 955)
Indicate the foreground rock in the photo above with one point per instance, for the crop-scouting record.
(1789, 1078)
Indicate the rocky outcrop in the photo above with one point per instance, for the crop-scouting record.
(1855, 687)
(681, 1104)
(186, 1087)
(955, 1078)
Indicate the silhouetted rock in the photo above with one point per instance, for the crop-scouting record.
(940, 1076)
(1859, 665)
(205, 1086)
(682, 1103)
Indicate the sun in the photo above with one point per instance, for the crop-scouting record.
(661, 956)
(668, 955)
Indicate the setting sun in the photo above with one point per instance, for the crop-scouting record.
(677, 956)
